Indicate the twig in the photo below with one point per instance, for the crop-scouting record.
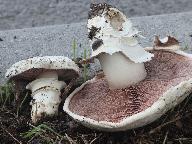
(184, 139)
(19, 107)
(180, 142)
(95, 139)
(70, 139)
(165, 139)
(68, 88)
(84, 140)
(6, 99)
(11, 135)
(6, 111)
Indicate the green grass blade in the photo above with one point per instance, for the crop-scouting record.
(85, 66)
(74, 47)
(20, 106)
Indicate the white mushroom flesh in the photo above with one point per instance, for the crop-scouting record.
(46, 95)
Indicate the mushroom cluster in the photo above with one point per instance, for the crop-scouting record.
(139, 85)
(45, 76)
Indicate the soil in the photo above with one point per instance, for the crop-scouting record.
(174, 127)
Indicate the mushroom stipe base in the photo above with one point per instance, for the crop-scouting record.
(167, 83)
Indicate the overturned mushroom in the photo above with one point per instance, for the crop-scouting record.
(114, 43)
(168, 82)
(44, 75)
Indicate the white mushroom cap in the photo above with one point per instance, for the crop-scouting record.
(110, 31)
(31, 68)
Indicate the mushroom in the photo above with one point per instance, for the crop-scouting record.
(113, 41)
(168, 83)
(163, 77)
(44, 75)
(166, 43)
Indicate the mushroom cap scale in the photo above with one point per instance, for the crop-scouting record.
(31, 68)
(166, 85)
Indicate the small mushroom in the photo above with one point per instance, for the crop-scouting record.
(44, 75)
(113, 41)
(166, 43)
(168, 83)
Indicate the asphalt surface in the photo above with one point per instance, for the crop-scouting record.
(16, 14)
(16, 45)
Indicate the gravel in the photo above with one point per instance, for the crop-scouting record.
(15, 14)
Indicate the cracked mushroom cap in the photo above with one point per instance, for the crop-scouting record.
(30, 69)
(168, 82)
(110, 31)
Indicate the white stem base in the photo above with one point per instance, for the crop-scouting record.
(45, 103)
(46, 96)
(120, 71)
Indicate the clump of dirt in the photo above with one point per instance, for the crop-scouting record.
(97, 44)
(97, 9)
(93, 32)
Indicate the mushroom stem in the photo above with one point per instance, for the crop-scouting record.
(121, 72)
(46, 95)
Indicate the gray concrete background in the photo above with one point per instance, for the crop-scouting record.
(29, 13)
(18, 44)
